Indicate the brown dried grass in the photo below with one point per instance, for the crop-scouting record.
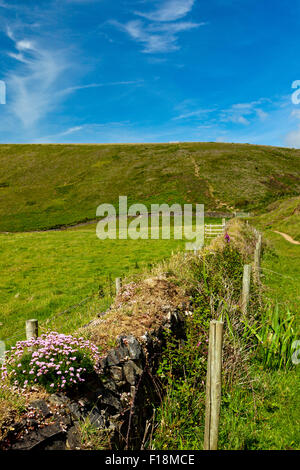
(138, 308)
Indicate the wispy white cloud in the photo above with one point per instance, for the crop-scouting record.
(156, 37)
(86, 131)
(71, 130)
(4, 5)
(295, 113)
(49, 138)
(198, 113)
(239, 113)
(261, 114)
(20, 46)
(173, 28)
(36, 82)
(169, 10)
(100, 85)
(159, 34)
(243, 113)
(33, 84)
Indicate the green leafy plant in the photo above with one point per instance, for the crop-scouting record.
(274, 333)
(183, 366)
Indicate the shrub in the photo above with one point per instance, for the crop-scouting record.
(55, 361)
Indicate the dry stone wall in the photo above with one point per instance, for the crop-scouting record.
(117, 401)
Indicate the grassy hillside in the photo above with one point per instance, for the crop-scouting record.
(43, 186)
(281, 260)
(283, 216)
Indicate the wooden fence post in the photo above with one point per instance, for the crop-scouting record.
(32, 329)
(246, 288)
(257, 254)
(118, 284)
(213, 385)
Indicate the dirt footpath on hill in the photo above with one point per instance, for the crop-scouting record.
(287, 237)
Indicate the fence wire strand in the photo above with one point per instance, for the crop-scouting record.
(72, 307)
(20, 332)
(278, 274)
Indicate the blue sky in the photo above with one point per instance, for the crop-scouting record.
(150, 71)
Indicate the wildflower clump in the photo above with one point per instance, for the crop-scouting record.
(55, 361)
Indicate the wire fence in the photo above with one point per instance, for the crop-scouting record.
(106, 286)
(69, 309)
(282, 276)
(279, 274)
(20, 332)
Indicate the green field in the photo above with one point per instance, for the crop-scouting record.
(43, 186)
(44, 273)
